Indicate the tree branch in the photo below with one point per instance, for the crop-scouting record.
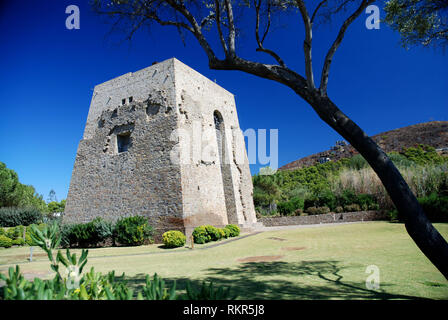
(336, 43)
(307, 44)
(218, 25)
(232, 33)
(257, 34)
(317, 9)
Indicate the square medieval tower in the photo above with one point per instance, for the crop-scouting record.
(163, 142)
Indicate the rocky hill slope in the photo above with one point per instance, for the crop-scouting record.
(434, 133)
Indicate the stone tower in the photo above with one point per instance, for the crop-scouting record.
(163, 142)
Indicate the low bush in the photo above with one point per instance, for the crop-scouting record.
(5, 242)
(289, 207)
(352, 207)
(133, 231)
(18, 242)
(200, 235)
(173, 239)
(317, 210)
(435, 206)
(234, 230)
(85, 235)
(222, 233)
(213, 233)
(11, 216)
(339, 209)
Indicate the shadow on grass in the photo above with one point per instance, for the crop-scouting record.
(326, 274)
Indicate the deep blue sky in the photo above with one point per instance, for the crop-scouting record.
(48, 73)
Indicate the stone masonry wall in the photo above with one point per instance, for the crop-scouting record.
(323, 218)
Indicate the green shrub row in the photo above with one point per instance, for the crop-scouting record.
(12, 216)
(207, 233)
(435, 207)
(128, 231)
(14, 236)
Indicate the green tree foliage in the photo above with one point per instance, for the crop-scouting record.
(419, 22)
(296, 190)
(15, 194)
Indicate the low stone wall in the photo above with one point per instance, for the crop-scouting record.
(323, 218)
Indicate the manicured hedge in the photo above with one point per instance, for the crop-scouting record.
(133, 231)
(11, 217)
(173, 239)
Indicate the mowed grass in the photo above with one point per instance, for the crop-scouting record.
(325, 262)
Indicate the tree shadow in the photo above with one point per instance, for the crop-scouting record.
(260, 280)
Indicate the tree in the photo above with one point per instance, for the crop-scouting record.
(9, 185)
(15, 194)
(209, 20)
(419, 22)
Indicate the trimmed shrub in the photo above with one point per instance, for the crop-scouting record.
(222, 233)
(133, 231)
(200, 235)
(5, 242)
(2, 232)
(435, 206)
(213, 233)
(339, 209)
(234, 230)
(226, 232)
(174, 239)
(352, 207)
(317, 210)
(11, 217)
(18, 242)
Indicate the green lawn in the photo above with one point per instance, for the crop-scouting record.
(326, 262)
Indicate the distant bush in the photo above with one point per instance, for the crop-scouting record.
(200, 235)
(222, 233)
(85, 235)
(173, 239)
(11, 216)
(317, 210)
(213, 233)
(339, 209)
(435, 206)
(289, 207)
(133, 231)
(234, 230)
(18, 242)
(5, 242)
(352, 207)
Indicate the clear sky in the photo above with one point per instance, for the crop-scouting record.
(47, 74)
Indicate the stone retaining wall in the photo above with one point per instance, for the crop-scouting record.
(323, 218)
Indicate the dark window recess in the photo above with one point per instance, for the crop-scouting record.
(115, 113)
(152, 109)
(130, 99)
(123, 142)
(123, 101)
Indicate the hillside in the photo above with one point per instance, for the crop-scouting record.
(434, 133)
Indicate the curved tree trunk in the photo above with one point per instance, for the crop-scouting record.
(427, 238)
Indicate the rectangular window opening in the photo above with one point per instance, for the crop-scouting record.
(123, 142)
